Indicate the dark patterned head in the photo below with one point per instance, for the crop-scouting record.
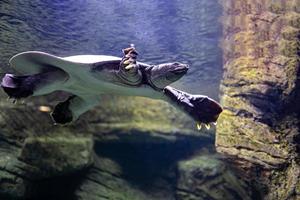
(164, 74)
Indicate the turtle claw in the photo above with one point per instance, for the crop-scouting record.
(129, 60)
(199, 126)
(129, 69)
(207, 126)
(130, 66)
(130, 50)
(126, 62)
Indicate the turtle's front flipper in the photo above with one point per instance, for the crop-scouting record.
(129, 71)
(69, 110)
(201, 108)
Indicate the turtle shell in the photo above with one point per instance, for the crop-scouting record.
(33, 62)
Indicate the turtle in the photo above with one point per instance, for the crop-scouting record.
(87, 77)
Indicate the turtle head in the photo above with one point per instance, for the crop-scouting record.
(164, 74)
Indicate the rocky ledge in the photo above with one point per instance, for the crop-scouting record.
(100, 160)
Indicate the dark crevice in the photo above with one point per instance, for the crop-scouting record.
(58, 188)
(144, 164)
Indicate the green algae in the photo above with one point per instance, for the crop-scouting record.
(57, 154)
(286, 182)
(277, 8)
(268, 59)
(290, 33)
(293, 20)
(289, 48)
(287, 6)
(291, 71)
(139, 113)
(296, 6)
(210, 178)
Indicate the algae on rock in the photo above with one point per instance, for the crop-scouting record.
(260, 90)
(57, 155)
(205, 177)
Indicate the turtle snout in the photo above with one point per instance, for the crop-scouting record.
(180, 69)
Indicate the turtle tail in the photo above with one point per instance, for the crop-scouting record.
(18, 86)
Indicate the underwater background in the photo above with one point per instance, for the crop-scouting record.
(244, 53)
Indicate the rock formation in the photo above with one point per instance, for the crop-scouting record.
(260, 92)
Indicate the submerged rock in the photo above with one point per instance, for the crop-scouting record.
(12, 183)
(138, 166)
(205, 177)
(24, 169)
(159, 170)
(53, 156)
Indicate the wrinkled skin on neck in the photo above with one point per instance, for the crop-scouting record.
(157, 76)
(132, 77)
(160, 76)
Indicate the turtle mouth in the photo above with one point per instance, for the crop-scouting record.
(177, 73)
(180, 70)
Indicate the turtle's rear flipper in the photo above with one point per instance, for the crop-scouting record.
(69, 110)
(18, 86)
(201, 108)
(37, 84)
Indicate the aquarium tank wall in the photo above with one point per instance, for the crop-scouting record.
(242, 53)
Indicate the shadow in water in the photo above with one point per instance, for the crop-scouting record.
(147, 162)
(144, 162)
(58, 187)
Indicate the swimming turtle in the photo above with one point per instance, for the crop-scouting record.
(89, 76)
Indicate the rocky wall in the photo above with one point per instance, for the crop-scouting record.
(259, 128)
